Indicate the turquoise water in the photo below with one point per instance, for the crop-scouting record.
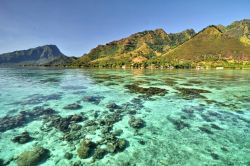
(180, 124)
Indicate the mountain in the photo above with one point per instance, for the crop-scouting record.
(214, 46)
(34, 56)
(138, 47)
(63, 61)
(240, 29)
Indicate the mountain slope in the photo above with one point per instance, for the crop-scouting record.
(240, 29)
(213, 44)
(145, 45)
(61, 61)
(34, 56)
(227, 46)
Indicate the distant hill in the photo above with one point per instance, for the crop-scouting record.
(34, 56)
(214, 45)
(135, 48)
(61, 61)
(219, 45)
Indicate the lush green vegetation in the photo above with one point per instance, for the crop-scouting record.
(214, 46)
(140, 46)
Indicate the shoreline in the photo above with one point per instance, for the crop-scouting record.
(128, 68)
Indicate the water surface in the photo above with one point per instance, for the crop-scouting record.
(190, 117)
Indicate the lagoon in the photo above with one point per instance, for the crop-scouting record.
(131, 117)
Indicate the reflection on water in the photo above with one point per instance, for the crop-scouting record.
(124, 117)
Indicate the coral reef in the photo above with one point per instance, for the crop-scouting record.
(86, 149)
(68, 156)
(22, 138)
(73, 106)
(136, 122)
(151, 91)
(93, 99)
(33, 157)
(190, 93)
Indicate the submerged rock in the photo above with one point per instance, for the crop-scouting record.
(38, 98)
(65, 124)
(77, 163)
(41, 111)
(179, 124)
(197, 82)
(118, 145)
(214, 126)
(73, 106)
(34, 157)
(86, 149)
(93, 99)
(118, 132)
(225, 149)
(76, 118)
(142, 142)
(151, 91)
(90, 123)
(72, 136)
(23, 138)
(132, 112)
(190, 93)
(106, 130)
(111, 119)
(206, 129)
(68, 156)
(60, 123)
(11, 122)
(113, 106)
(188, 110)
(135, 103)
(170, 81)
(75, 127)
(136, 122)
(215, 156)
(1, 162)
(51, 80)
(99, 153)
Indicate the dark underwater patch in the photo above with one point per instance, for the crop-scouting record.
(93, 99)
(151, 91)
(170, 81)
(51, 80)
(73, 87)
(38, 98)
(24, 117)
(191, 93)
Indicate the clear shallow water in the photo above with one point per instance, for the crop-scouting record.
(182, 126)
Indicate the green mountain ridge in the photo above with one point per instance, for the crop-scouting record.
(145, 45)
(215, 45)
(211, 47)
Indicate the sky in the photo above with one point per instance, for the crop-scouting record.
(77, 26)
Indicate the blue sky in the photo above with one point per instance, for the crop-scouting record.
(77, 26)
